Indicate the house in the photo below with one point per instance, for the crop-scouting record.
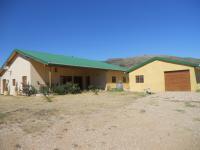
(164, 74)
(38, 68)
(44, 69)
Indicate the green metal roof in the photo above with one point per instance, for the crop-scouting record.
(165, 60)
(53, 59)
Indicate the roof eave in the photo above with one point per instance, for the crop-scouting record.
(123, 70)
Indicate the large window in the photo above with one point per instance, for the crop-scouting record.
(139, 79)
(114, 80)
(65, 79)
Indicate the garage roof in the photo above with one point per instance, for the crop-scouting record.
(54, 59)
(179, 62)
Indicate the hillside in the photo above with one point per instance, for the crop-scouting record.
(128, 62)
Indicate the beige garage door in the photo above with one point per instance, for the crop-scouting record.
(177, 80)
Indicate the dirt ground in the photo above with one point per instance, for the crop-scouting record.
(108, 121)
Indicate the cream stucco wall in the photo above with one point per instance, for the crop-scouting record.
(18, 68)
(39, 74)
(154, 76)
(119, 77)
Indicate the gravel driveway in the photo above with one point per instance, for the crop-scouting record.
(163, 121)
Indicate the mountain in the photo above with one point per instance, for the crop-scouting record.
(131, 61)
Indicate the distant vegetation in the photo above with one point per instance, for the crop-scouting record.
(129, 62)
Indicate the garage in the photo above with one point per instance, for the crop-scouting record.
(164, 74)
(177, 80)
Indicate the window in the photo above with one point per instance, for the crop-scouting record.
(124, 79)
(24, 80)
(69, 78)
(113, 79)
(65, 79)
(139, 79)
(55, 69)
(13, 82)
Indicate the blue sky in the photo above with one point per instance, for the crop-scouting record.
(101, 29)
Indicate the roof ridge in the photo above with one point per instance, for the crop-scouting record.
(66, 56)
(158, 57)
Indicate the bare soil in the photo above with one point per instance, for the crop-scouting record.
(110, 120)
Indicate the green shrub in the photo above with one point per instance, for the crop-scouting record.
(60, 90)
(33, 90)
(29, 90)
(117, 90)
(68, 88)
(72, 88)
(44, 90)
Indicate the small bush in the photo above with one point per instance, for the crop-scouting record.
(29, 90)
(33, 90)
(60, 90)
(117, 90)
(68, 88)
(44, 90)
(94, 89)
(72, 88)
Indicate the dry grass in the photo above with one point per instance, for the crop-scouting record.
(2, 118)
(180, 110)
(196, 119)
(109, 120)
(142, 111)
(35, 114)
(189, 104)
(153, 102)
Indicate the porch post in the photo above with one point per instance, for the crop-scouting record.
(50, 77)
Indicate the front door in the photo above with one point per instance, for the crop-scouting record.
(4, 85)
(24, 80)
(78, 80)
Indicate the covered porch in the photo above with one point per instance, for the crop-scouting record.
(54, 75)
